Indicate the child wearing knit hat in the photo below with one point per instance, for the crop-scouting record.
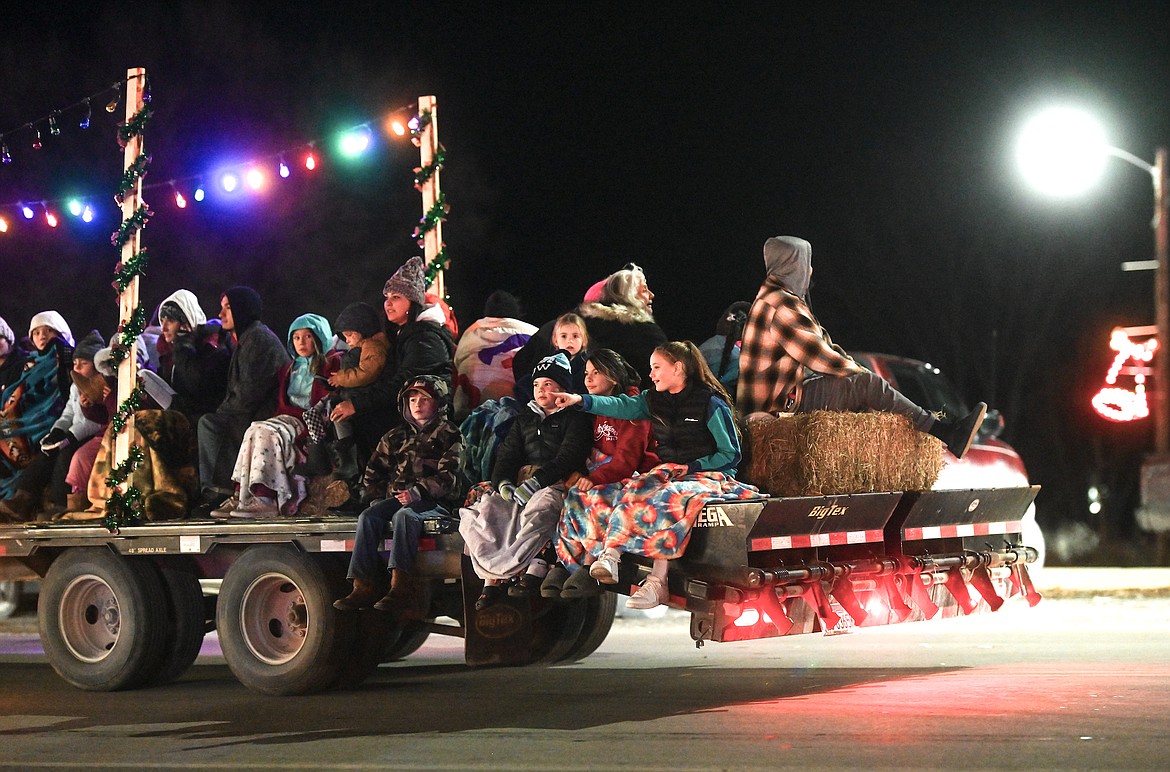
(508, 532)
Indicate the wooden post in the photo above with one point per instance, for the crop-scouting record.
(429, 145)
(128, 300)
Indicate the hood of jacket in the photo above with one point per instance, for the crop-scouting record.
(188, 304)
(433, 385)
(615, 313)
(788, 261)
(316, 324)
(54, 320)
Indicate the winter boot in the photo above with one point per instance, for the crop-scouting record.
(345, 458)
(21, 508)
(363, 596)
(403, 598)
(958, 435)
(76, 502)
(316, 463)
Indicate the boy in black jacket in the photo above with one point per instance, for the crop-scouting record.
(544, 453)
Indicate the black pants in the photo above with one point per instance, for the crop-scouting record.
(857, 393)
(49, 470)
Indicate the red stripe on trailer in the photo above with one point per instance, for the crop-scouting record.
(805, 540)
(964, 529)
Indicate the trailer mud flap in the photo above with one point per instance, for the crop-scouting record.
(501, 634)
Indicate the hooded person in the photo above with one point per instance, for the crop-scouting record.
(251, 395)
(412, 475)
(12, 357)
(721, 350)
(788, 362)
(31, 402)
(266, 481)
(49, 465)
(192, 360)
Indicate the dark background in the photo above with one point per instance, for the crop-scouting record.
(679, 136)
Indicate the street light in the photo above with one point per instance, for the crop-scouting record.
(1062, 151)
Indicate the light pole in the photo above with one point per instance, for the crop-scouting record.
(1063, 152)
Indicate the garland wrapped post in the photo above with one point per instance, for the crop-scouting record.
(125, 502)
(429, 232)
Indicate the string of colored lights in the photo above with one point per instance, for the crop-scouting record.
(253, 174)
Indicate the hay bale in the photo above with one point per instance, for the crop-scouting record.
(828, 452)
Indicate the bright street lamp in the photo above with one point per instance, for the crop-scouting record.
(1062, 151)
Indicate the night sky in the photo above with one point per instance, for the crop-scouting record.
(679, 136)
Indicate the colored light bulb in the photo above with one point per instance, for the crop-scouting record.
(310, 162)
(28, 212)
(255, 179)
(3, 225)
(87, 214)
(74, 207)
(284, 170)
(229, 182)
(180, 201)
(200, 194)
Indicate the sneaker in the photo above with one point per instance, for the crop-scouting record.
(604, 569)
(259, 506)
(225, 508)
(652, 593)
(554, 581)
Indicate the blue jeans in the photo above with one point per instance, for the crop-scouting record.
(406, 527)
(857, 393)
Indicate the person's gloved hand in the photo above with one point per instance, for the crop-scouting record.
(57, 438)
(525, 491)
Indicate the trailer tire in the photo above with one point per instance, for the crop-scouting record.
(374, 633)
(599, 614)
(277, 626)
(408, 642)
(189, 622)
(556, 627)
(103, 619)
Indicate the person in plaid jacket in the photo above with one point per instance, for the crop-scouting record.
(788, 362)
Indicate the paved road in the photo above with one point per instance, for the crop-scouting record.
(1082, 681)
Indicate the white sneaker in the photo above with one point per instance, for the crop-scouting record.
(604, 569)
(259, 506)
(652, 593)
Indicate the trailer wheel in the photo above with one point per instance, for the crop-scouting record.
(277, 626)
(188, 622)
(556, 627)
(408, 642)
(9, 598)
(599, 614)
(103, 619)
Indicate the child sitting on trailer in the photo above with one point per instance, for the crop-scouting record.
(507, 530)
(621, 448)
(411, 475)
(698, 443)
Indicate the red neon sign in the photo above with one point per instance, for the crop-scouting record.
(1114, 402)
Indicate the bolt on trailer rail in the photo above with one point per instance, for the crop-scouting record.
(127, 609)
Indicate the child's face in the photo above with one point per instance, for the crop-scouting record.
(170, 329)
(569, 337)
(667, 376)
(304, 343)
(422, 407)
(84, 367)
(545, 391)
(41, 336)
(598, 382)
(352, 337)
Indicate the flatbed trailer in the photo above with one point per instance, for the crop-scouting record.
(128, 609)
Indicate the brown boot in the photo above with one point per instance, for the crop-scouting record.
(403, 599)
(21, 508)
(363, 596)
(76, 502)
